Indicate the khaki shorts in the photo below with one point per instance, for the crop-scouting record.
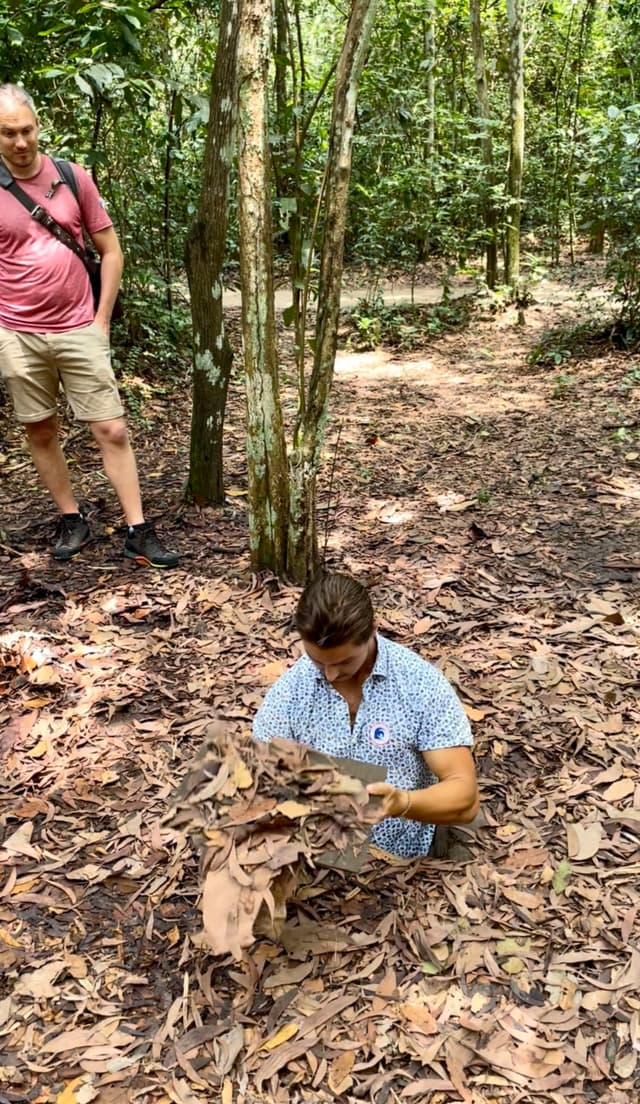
(34, 366)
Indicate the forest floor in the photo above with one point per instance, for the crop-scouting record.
(492, 505)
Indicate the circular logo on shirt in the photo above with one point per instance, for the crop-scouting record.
(379, 734)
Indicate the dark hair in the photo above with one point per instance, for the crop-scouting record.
(334, 609)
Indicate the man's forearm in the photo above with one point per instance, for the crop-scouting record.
(110, 274)
(452, 801)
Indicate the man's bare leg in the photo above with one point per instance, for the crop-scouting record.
(120, 466)
(49, 461)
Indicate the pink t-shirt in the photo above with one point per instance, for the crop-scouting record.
(44, 287)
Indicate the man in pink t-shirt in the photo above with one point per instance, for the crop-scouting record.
(51, 334)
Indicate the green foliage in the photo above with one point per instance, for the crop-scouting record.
(631, 380)
(549, 354)
(123, 87)
(412, 201)
(404, 326)
(562, 343)
(564, 387)
(151, 341)
(123, 90)
(616, 166)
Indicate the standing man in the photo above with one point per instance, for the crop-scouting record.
(51, 333)
(358, 695)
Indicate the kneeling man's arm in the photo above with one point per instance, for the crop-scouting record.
(453, 799)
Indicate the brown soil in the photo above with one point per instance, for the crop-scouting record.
(493, 508)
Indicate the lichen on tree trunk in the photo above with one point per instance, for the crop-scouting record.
(302, 553)
(486, 142)
(204, 258)
(516, 147)
(266, 448)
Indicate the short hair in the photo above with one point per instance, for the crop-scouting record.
(334, 609)
(14, 93)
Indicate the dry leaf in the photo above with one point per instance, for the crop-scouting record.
(294, 809)
(40, 749)
(18, 843)
(423, 625)
(619, 790)
(8, 939)
(420, 1016)
(583, 840)
(78, 1091)
(39, 983)
(339, 1079)
(271, 671)
(472, 713)
(513, 965)
(282, 1036)
(242, 776)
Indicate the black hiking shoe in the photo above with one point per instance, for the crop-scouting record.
(72, 534)
(143, 546)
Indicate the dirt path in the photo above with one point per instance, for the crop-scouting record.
(491, 505)
(547, 291)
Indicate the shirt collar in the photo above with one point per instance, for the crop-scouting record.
(381, 665)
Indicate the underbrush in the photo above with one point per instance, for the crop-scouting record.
(562, 343)
(150, 341)
(405, 327)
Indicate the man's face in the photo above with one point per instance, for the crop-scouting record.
(18, 138)
(344, 662)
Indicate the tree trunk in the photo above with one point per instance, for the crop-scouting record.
(204, 257)
(302, 556)
(430, 66)
(166, 202)
(516, 150)
(484, 116)
(266, 449)
(586, 29)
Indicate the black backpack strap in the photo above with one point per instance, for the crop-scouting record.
(41, 215)
(65, 168)
(5, 175)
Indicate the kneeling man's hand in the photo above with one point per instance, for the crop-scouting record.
(394, 802)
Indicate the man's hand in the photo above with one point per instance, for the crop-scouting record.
(103, 324)
(453, 799)
(394, 802)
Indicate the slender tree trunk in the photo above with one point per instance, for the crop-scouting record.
(423, 232)
(430, 66)
(266, 449)
(484, 116)
(586, 27)
(302, 555)
(204, 257)
(516, 148)
(559, 148)
(166, 205)
(95, 137)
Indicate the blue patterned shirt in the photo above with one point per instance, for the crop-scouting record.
(407, 707)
